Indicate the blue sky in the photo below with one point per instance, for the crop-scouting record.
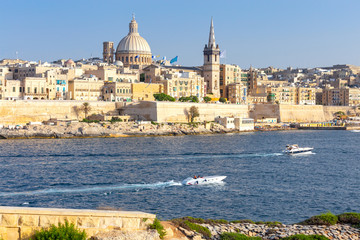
(261, 33)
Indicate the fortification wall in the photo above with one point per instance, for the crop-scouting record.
(22, 112)
(18, 223)
(301, 113)
(260, 111)
(330, 110)
(179, 112)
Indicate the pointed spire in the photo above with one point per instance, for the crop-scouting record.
(211, 35)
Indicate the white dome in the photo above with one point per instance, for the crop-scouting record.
(133, 42)
(118, 63)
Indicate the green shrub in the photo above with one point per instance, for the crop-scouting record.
(159, 228)
(217, 221)
(163, 97)
(115, 119)
(306, 237)
(207, 99)
(243, 221)
(90, 121)
(349, 218)
(237, 236)
(61, 232)
(322, 219)
(197, 228)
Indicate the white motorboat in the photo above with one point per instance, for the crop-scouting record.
(203, 180)
(295, 149)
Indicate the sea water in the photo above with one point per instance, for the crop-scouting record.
(145, 174)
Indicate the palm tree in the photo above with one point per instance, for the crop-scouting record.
(86, 108)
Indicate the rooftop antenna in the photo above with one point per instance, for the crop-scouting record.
(17, 54)
(133, 16)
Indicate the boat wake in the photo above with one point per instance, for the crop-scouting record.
(106, 189)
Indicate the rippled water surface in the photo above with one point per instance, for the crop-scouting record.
(145, 173)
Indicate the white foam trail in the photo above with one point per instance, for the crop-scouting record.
(105, 189)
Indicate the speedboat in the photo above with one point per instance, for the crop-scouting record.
(295, 149)
(203, 180)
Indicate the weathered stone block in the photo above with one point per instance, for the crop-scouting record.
(131, 223)
(10, 220)
(29, 220)
(88, 222)
(145, 222)
(27, 232)
(110, 222)
(12, 233)
(47, 221)
(90, 231)
(69, 219)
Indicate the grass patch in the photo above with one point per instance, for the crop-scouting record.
(306, 237)
(349, 218)
(243, 221)
(192, 224)
(322, 219)
(237, 236)
(197, 228)
(65, 231)
(159, 228)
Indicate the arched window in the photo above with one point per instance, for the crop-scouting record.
(127, 59)
(130, 59)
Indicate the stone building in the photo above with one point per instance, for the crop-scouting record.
(211, 67)
(229, 73)
(177, 81)
(237, 93)
(34, 88)
(88, 88)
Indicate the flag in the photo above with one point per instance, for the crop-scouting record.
(164, 58)
(223, 54)
(153, 57)
(137, 56)
(174, 60)
(158, 56)
(149, 83)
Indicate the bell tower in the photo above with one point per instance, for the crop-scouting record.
(108, 52)
(211, 68)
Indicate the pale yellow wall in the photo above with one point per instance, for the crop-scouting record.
(22, 112)
(145, 91)
(19, 223)
(177, 111)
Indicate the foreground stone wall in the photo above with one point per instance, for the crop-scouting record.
(179, 112)
(22, 112)
(18, 223)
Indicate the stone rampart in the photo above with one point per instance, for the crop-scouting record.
(179, 111)
(22, 111)
(301, 113)
(18, 223)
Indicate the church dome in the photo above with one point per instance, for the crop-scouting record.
(133, 42)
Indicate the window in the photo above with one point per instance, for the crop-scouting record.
(19, 89)
(35, 90)
(28, 90)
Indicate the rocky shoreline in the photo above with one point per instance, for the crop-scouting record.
(264, 231)
(117, 129)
